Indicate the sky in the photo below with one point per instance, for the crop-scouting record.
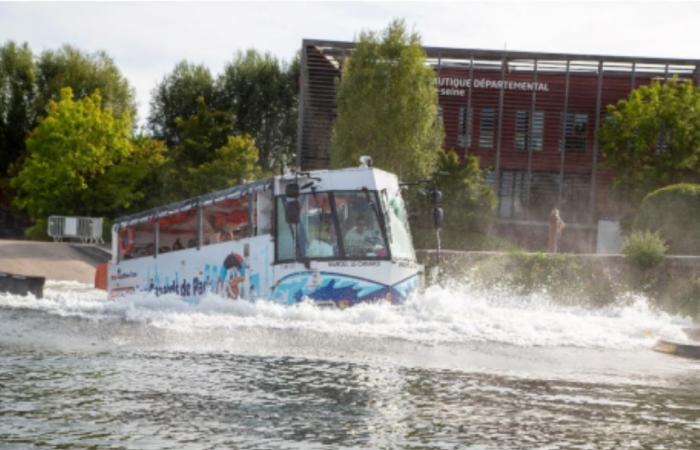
(146, 40)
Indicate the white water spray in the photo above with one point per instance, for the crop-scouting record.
(438, 316)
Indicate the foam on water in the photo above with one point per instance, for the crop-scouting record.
(440, 315)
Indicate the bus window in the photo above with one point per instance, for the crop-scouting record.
(285, 242)
(358, 215)
(137, 241)
(263, 213)
(177, 231)
(317, 233)
(226, 220)
(397, 224)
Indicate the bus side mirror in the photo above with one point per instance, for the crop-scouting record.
(438, 217)
(291, 211)
(292, 207)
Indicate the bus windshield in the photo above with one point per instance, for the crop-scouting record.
(333, 225)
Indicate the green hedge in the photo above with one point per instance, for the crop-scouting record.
(673, 212)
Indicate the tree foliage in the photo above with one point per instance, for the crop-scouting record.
(468, 203)
(81, 161)
(17, 98)
(260, 92)
(466, 196)
(200, 134)
(233, 163)
(206, 143)
(84, 73)
(387, 105)
(674, 213)
(28, 84)
(652, 138)
(177, 97)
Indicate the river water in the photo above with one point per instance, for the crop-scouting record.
(453, 368)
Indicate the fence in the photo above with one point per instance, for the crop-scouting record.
(87, 229)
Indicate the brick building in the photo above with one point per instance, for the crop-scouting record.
(530, 117)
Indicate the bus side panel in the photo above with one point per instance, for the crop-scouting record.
(233, 269)
(346, 282)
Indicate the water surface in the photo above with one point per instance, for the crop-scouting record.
(453, 368)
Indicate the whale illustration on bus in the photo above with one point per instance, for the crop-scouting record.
(334, 237)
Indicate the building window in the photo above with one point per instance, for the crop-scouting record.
(513, 192)
(464, 130)
(529, 135)
(486, 127)
(521, 198)
(575, 130)
(662, 140)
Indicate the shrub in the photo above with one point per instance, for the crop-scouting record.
(533, 271)
(644, 249)
(673, 212)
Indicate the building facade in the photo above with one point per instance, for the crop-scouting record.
(531, 118)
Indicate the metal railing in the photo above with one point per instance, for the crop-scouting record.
(87, 229)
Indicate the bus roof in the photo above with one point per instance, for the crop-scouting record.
(204, 199)
(232, 193)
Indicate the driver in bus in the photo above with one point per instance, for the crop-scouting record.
(360, 240)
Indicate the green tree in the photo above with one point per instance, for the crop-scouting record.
(208, 157)
(466, 196)
(81, 161)
(84, 73)
(233, 163)
(468, 203)
(132, 183)
(177, 96)
(17, 98)
(652, 138)
(387, 105)
(261, 93)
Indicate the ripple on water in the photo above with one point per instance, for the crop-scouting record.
(452, 369)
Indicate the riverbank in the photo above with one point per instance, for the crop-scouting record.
(673, 285)
(62, 261)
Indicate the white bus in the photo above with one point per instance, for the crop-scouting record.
(335, 237)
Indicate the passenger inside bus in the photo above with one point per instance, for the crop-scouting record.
(321, 244)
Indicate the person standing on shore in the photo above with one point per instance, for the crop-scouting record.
(556, 226)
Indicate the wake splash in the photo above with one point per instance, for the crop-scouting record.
(457, 314)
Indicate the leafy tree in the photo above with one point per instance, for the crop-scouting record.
(84, 73)
(652, 138)
(261, 93)
(208, 157)
(200, 134)
(177, 96)
(17, 97)
(467, 197)
(674, 213)
(468, 202)
(136, 177)
(81, 161)
(232, 164)
(387, 105)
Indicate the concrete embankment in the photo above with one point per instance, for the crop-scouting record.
(52, 260)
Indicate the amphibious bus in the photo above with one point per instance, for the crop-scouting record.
(334, 237)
